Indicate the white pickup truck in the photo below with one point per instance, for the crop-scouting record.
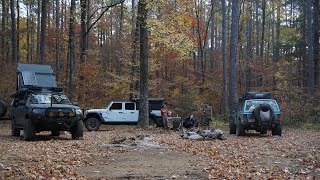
(121, 112)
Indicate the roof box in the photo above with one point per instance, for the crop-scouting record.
(37, 75)
(256, 95)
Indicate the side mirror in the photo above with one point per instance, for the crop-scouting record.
(75, 104)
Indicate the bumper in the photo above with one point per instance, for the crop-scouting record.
(267, 125)
(61, 124)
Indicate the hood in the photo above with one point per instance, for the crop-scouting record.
(95, 110)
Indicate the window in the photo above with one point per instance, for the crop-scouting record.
(116, 106)
(256, 103)
(129, 106)
(155, 105)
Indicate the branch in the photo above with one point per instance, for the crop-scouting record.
(104, 11)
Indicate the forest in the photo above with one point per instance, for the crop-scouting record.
(190, 52)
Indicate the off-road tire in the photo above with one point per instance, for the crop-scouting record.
(55, 133)
(256, 112)
(240, 130)
(14, 130)
(3, 108)
(77, 130)
(277, 130)
(232, 128)
(28, 131)
(92, 124)
(152, 122)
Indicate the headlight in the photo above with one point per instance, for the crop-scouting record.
(37, 111)
(78, 111)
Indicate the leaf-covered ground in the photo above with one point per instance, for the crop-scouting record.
(295, 155)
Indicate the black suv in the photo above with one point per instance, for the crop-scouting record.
(38, 108)
(256, 111)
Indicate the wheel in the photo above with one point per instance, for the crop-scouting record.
(92, 124)
(55, 133)
(277, 130)
(77, 130)
(14, 131)
(3, 108)
(28, 132)
(240, 130)
(232, 128)
(152, 122)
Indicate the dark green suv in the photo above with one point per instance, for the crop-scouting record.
(39, 105)
(256, 111)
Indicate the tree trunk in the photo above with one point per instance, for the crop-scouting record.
(71, 46)
(88, 24)
(134, 36)
(18, 31)
(38, 30)
(257, 27)
(224, 57)
(233, 54)
(277, 46)
(28, 33)
(249, 50)
(212, 38)
(316, 47)
(43, 31)
(263, 27)
(310, 49)
(13, 32)
(83, 4)
(58, 34)
(144, 93)
(3, 31)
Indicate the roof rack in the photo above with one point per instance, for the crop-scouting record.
(150, 99)
(255, 95)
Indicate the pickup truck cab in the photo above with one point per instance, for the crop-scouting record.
(120, 112)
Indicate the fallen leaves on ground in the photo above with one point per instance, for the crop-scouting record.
(295, 155)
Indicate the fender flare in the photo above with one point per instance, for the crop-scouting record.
(95, 115)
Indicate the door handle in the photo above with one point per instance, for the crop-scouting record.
(120, 112)
(132, 112)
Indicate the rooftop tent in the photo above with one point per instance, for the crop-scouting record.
(35, 75)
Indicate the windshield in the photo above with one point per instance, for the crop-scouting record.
(256, 103)
(46, 99)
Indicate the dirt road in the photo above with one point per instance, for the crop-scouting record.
(295, 155)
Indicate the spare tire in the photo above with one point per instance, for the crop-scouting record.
(3, 108)
(263, 113)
